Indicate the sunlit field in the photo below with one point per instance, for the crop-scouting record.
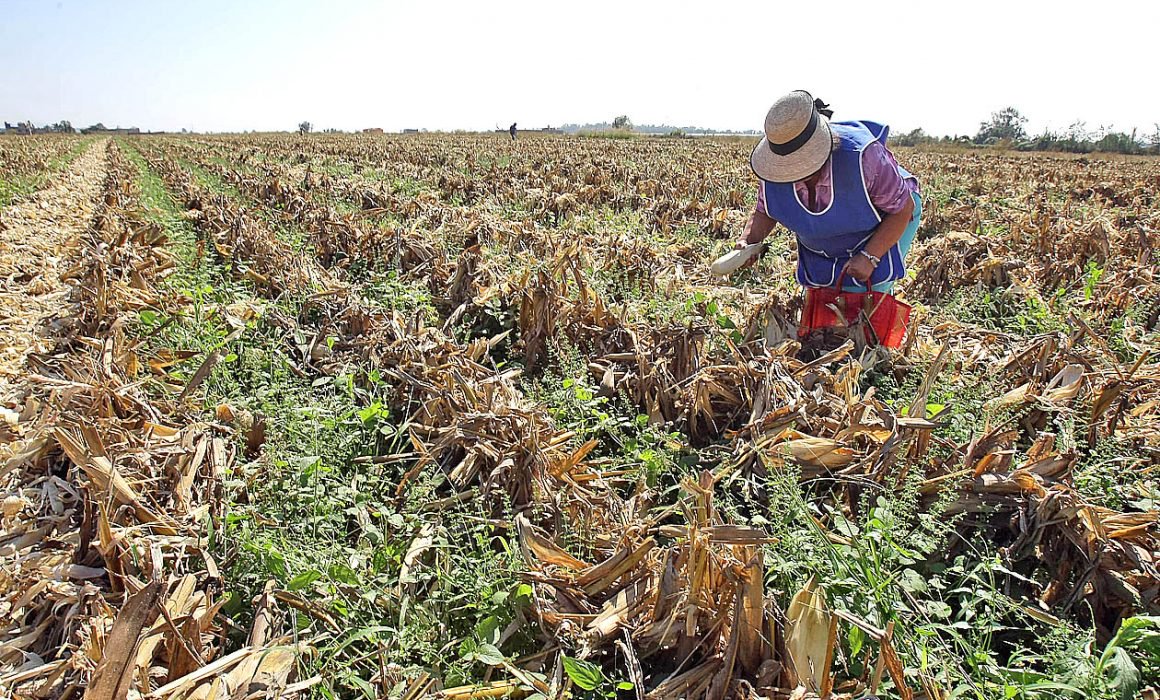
(457, 416)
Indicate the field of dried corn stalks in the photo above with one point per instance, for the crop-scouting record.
(450, 416)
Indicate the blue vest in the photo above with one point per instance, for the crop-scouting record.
(827, 239)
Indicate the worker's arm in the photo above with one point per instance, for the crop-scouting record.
(757, 228)
(888, 233)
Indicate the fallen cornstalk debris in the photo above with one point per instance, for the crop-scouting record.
(107, 584)
(583, 263)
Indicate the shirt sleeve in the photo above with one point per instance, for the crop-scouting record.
(888, 190)
(760, 208)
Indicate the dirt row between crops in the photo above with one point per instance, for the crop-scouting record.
(34, 239)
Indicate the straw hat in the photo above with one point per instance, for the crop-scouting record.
(797, 140)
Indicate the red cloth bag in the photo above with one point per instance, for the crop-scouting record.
(888, 316)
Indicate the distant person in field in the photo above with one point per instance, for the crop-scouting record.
(853, 209)
(512, 131)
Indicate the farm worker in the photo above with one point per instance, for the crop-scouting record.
(853, 209)
(512, 131)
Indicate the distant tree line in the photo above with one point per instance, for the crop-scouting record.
(623, 123)
(1007, 129)
(64, 127)
(61, 127)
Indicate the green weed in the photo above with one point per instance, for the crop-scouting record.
(313, 512)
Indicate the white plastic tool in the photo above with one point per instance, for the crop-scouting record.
(734, 259)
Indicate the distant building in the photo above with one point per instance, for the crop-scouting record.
(410, 131)
(103, 130)
(373, 130)
(25, 128)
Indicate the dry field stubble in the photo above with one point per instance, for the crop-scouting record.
(414, 415)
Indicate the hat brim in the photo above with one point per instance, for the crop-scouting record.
(798, 165)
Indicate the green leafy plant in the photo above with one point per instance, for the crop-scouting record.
(589, 677)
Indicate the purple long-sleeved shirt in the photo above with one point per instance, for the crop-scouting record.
(888, 190)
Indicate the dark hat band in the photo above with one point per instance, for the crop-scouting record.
(784, 149)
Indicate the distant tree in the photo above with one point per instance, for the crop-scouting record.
(1077, 138)
(1047, 141)
(1006, 124)
(622, 122)
(1154, 140)
(914, 137)
(1118, 142)
(305, 127)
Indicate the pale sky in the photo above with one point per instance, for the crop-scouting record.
(222, 65)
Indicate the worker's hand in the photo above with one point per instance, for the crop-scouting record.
(860, 268)
(743, 244)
